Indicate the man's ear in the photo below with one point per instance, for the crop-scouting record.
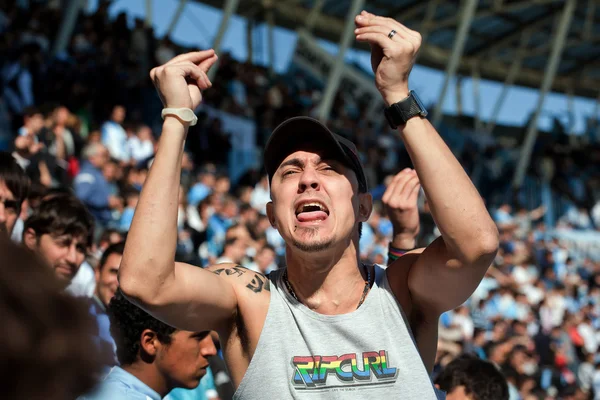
(30, 239)
(148, 343)
(271, 214)
(365, 206)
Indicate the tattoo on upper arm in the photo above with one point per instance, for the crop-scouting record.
(237, 270)
(258, 283)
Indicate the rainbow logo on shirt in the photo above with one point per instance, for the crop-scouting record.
(311, 372)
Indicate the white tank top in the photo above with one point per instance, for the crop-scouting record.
(366, 354)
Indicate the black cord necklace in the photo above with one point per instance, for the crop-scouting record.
(362, 298)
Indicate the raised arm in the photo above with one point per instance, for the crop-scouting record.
(449, 270)
(182, 295)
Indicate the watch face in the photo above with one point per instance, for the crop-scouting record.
(188, 115)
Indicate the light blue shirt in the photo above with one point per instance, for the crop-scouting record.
(121, 385)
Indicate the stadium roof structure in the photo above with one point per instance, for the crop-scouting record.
(550, 45)
(499, 34)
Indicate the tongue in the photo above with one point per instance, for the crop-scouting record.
(312, 216)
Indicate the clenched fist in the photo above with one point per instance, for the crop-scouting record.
(400, 201)
(392, 58)
(180, 81)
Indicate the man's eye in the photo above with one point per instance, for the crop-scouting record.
(289, 172)
(10, 205)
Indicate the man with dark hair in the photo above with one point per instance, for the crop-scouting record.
(470, 378)
(155, 358)
(335, 311)
(14, 186)
(46, 334)
(106, 287)
(60, 230)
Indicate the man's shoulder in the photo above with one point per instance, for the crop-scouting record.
(115, 390)
(116, 386)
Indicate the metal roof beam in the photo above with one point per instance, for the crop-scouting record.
(314, 15)
(467, 12)
(176, 16)
(581, 65)
(508, 37)
(549, 75)
(67, 26)
(335, 74)
(409, 11)
(228, 10)
(498, 12)
(515, 68)
(149, 16)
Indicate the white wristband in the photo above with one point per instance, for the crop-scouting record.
(184, 114)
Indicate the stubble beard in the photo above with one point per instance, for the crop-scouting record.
(311, 247)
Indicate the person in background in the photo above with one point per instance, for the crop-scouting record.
(114, 136)
(203, 187)
(470, 378)
(261, 195)
(131, 197)
(106, 287)
(92, 188)
(233, 251)
(154, 358)
(14, 186)
(141, 144)
(46, 345)
(60, 231)
(33, 122)
(264, 262)
(57, 137)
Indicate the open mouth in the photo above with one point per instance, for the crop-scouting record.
(312, 210)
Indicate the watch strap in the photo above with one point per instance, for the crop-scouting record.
(181, 114)
(399, 113)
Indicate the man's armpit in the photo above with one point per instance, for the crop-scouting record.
(254, 281)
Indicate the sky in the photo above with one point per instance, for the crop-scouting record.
(199, 23)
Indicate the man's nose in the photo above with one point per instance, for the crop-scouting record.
(309, 179)
(72, 254)
(208, 348)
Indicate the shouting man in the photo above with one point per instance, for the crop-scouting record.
(326, 326)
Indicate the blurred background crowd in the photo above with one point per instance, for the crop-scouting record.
(86, 122)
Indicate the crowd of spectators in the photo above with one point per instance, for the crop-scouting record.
(85, 121)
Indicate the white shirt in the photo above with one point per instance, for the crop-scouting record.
(590, 342)
(114, 138)
(84, 282)
(259, 199)
(140, 150)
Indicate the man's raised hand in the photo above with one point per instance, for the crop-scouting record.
(392, 58)
(180, 81)
(400, 202)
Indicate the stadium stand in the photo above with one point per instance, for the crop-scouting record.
(87, 121)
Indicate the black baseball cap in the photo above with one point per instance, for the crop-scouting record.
(311, 134)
